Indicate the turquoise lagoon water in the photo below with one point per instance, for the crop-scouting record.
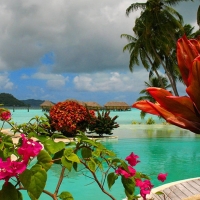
(124, 117)
(161, 148)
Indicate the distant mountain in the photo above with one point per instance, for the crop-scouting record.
(33, 102)
(9, 100)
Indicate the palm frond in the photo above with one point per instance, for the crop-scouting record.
(135, 6)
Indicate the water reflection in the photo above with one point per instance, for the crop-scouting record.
(161, 149)
(152, 131)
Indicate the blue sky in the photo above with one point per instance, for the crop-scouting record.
(56, 50)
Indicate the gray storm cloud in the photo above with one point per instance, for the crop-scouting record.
(84, 36)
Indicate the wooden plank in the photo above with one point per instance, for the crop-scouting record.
(190, 188)
(180, 191)
(197, 181)
(157, 197)
(169, 194)
(184, 190)
(195, 185)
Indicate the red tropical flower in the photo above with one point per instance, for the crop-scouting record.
(181, 111)
(5, 115)
(70, 116)
(162, 177)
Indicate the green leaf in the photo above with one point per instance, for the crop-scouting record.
(129, 185)
(45, 160)
(20, 197)
(124, 165)
(160, 193)
(96, 152)
(57, 157)
(6, 153)
(116, 160)
(86, 152)
(9, 192)
(32, 134)
(91, 165)
(111, 179)
(68, 153)
(98, 163)
(75, 166)
(34, 180)
(53, 147)
(66, 196)
(66, 163)
(92, 142)
(1, 145)
(110, 153)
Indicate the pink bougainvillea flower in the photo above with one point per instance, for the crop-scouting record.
(145, 187)
(131, 172)
(29, 148)
(162, 177)
(5, 115)
(10, 169)
(121, 171)
(4, 173)
(132, 159)
(180, 111)
(138, 182)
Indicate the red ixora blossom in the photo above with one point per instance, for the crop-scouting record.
(10, 169)
(132, 159)
(162, 177)
(29, 148)
(180, 111)
(70, 116)
(145, 187)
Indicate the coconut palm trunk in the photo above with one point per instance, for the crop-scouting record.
(171, 80)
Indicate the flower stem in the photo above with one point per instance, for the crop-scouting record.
(59, 182)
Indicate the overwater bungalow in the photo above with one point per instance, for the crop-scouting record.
(46, 105)
(117, 106)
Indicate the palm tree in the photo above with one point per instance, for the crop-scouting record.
(153, 82)
(139, 50)
(198, 16)
(197, 33)
(155, 32)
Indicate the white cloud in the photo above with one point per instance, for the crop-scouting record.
(35, 91)
(5, 83)
(56, 84)
(24, 76)
(53, 81)
(111, 82)
(49, 76)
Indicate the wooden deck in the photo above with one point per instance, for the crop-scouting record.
(179, 190)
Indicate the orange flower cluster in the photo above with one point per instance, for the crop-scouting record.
(70, 116)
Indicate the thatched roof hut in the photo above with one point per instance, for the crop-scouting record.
(46, 105)
(117, 106)
(93, 105)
